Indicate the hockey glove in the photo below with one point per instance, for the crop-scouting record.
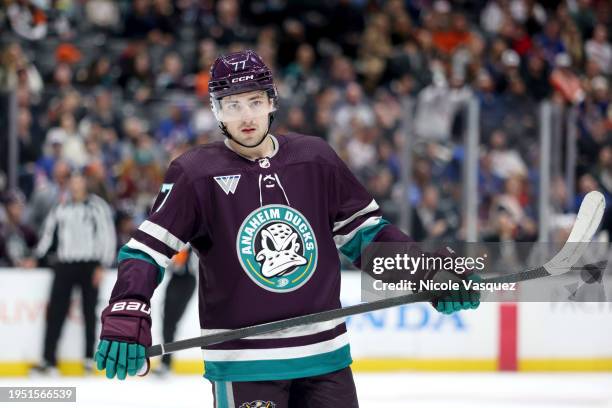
(452, 301)
(126, 332)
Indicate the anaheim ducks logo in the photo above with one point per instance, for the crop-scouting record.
(277, 248)
(258, 404)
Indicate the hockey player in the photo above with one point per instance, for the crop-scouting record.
(266, 214)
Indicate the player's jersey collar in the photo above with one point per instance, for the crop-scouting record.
(274, 141)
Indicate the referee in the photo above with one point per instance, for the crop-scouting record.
(82, 232)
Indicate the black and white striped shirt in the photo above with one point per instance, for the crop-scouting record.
(84, 231)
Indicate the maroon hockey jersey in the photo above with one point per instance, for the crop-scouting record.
(267, 233)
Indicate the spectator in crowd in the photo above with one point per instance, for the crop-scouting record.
(138, 79)
(535, 74)
(503, 227)
(341, 72)
(207, 53)
(549, 41)
(571, 36)
(171, 74)
(447, 40)
(29, 150)
(49, 193)
(380, 184)
(73, 145)
(361, 147)
(63, 76)
(353, 109)
(508, 161)
(139, 22)
(17, 240)
(165, 22)
(16, 70)
(492, 107)
(520, 123)
(53, 152)
(69, 102)
(301, 76)
(139, 175)
(176, 128)
(99, 72)
(511, 213)
(434, 111)
(28, 20)
(103, 13)
(599, 50)
(489, 183)
(560, 197)
(227, 28)
(565, 81)
(584, 16)
(102, 111)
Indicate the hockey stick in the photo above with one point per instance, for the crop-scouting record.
(586, 224)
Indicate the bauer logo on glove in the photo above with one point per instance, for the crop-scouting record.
(140, 306)
(126, 333)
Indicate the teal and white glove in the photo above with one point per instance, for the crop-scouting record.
(455, 300)
(120, 358)
(126, 332)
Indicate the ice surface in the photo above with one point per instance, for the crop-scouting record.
(405, 390)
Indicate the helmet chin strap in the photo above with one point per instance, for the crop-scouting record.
(227, 134)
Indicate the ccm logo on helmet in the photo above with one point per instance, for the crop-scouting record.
(242, 78)
(138, 306)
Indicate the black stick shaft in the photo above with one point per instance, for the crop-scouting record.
(159, 349)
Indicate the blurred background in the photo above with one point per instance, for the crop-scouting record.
(466, 120)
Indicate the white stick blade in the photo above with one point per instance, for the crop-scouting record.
(587, 222)
(589, 217)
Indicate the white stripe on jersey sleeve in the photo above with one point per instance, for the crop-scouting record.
(229, 389)
(373, 206)
(297, 331)
(340, 240)
(161, 259)
(161, 234)
(277, 353)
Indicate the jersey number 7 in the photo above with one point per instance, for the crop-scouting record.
(165, 188)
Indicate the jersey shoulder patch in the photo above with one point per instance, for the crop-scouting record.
(228, 183)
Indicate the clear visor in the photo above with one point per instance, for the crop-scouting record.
(245, 106)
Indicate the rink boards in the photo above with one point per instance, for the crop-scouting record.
(509, 336)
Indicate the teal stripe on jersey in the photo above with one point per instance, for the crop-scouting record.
(362, 238)
(285, 369)
(130, 253)
(221, 394)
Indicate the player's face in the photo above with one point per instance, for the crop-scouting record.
(246, 116)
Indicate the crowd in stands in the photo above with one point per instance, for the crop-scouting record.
(117, 89)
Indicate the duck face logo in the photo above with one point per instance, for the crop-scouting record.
(258, 404)
(277, 248)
